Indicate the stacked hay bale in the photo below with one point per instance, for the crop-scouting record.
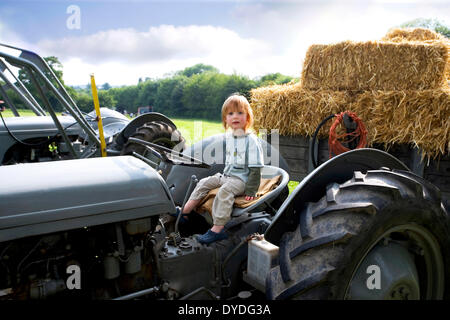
(419, 35)
(413, 34)
(397, 86)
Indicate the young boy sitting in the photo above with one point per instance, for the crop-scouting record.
(242, 172)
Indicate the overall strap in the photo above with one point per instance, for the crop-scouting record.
(246, 151)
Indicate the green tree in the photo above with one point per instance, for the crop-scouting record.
(199, 93)
(147, 93)
(84, 101)
(106, 99)
(106, 86)
(169, 94)
(432, 24)
(57, 68)
(274, 78)
(205, 93)
(197, 69)
(194, 92)
(54, 64)
(125, 97)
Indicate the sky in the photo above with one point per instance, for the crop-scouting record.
(121, 41)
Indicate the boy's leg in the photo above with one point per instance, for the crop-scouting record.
(190, 205)
(201, 190)
(222, 208)
(224, 200)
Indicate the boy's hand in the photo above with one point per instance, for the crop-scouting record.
(249, 198)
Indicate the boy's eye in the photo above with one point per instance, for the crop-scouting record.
(240, 113)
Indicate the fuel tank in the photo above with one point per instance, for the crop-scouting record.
(38, 198)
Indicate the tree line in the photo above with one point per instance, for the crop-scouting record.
(195, 92)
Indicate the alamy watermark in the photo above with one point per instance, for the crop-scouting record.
(73, 22)
(374, 280)
(74, 279)
(213, 153)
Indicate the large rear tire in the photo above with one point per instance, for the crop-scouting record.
(390, 220)
(156, 132)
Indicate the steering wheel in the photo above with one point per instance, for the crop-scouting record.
(167, 154)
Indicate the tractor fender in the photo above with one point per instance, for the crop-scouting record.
(338, 169)
(113, 122)
(140, 121)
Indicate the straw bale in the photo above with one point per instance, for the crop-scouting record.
(294, 110)
(412, 34)
(420, 118)
(419, 35)
(375, 65)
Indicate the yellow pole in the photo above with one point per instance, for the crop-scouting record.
(99, 117)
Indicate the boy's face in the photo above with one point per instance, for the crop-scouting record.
(236, 119)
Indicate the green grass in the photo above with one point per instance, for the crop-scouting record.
(23, 113)
(194, 130)
(292, 185)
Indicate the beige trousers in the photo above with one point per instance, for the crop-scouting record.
(230, 188)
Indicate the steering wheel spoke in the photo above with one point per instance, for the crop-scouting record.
(169, 155)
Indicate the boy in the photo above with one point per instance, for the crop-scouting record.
(242, 173)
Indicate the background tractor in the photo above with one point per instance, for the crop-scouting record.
(50, 137)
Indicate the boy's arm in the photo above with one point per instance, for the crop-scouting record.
(254, 179)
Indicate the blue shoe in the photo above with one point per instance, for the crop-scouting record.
(211, 236)
(183, 218)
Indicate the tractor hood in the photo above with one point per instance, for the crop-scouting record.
(45, 125)
(38, 198)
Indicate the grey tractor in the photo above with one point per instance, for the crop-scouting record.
(361, 225)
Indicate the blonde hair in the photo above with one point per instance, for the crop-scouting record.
(237, 102)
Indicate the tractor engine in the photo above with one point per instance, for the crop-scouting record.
(100, 262)
(115, 260)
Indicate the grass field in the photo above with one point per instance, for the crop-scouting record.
(23, 113)
(193, 130)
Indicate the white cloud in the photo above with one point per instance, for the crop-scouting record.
(127, 54)
(77, 71)
(293, 27)
(158, 43)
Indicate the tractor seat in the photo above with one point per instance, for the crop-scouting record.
(273, 181)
